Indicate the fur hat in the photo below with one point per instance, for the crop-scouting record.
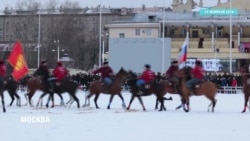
(43, 61)
(147, 66)
(198, 62)
(59, 63)
(106, 62)
(174, 62)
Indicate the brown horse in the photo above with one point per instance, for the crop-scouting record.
(245, 73)
(97, 87)
(206, 88)
(157, 87)
(35, 83)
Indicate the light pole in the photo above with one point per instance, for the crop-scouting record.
(104, 37)
(100, 32)
(58, 49)
(230, 38)
(39, 32)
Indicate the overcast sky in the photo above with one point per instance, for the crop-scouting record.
(112, 3)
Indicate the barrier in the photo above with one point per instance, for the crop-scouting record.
(230, 90)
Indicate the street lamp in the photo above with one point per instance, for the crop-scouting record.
(58, 49)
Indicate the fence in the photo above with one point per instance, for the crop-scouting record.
(230, 90)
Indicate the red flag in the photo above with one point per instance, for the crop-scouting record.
(18, 62)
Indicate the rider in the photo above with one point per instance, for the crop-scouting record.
(106, 72)
(197, 75)
(43, 72)
(170, 73)
(146, 77)
(2, 72)
(60, 72)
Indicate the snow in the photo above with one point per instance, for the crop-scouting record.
(227, 123)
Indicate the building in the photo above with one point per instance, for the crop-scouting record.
(209, 35)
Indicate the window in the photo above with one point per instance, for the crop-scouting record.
(172, 32)
(121, 35)
(137, 31)
(148, 31)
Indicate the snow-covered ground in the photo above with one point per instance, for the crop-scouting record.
(90, 124)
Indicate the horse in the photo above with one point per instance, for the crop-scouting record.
(206, 88)
(36, 83)
(97, 87)
(155, 87)
(66, 85)
(245, 74)
(11, 87)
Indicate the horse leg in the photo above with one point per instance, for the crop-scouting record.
(161, 100)
(40, 100)
(51, 96)
(156, 103)
(130, 102)
(110, 101)
(18, 102)
(246, 97)
(141, 102)
(95, 100)
(12, 99)
(181, 105)
(75, 99)
(3, 104)
(30, 95)
(213, 103)
(87, 100)
(123, 102)
(61, 98)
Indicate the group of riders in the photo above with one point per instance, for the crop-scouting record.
(147, 76)
(60, 72)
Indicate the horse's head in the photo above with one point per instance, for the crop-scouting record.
(185, 72)
(122, 73)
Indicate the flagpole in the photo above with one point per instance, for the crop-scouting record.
(163, 38)
(39, 32)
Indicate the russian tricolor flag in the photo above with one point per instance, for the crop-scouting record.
(183, 53)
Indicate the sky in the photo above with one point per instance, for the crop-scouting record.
(112, 3)
(227, 123)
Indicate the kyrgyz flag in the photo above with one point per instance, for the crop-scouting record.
(18, 62)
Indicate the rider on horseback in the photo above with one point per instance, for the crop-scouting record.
(197, 76)
(170, 74)
(60, 72)
(106, 74)
(44, 73)
(146, 77)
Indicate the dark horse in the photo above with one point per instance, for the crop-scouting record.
(97, 87)
(245, 73)
(35, 83)
(1, 94)
(11, 87)
(155, 87)
(206, 88)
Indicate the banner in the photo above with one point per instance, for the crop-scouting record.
(18, 62)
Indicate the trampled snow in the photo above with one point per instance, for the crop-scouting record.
(27, 123)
